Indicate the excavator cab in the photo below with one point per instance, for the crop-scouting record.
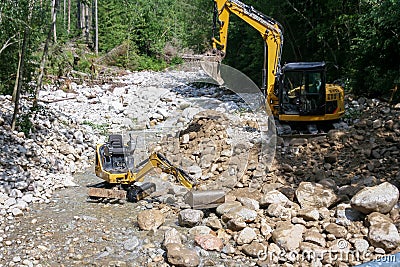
(302, 89)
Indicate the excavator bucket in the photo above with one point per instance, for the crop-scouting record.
(212, 68)
(207, 199)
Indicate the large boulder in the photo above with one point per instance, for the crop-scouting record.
(314, 195)
(380, 198)
(382, 232)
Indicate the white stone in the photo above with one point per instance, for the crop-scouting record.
(246, 236)
(16, 212)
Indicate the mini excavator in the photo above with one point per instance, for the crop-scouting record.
(296, 93)
(115, 165)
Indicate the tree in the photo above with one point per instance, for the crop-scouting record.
(21, 64)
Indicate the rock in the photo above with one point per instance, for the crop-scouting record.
(150, 219)
(246, 236)
(345, 215)
(194, 171)
(287, 168)
(298, 141)
(380, 198)
(227, 206)
(382, 232)
(288, 236)
(249, 203)
(313, 195)
(228, 249)
(79, 137)
(255, 249)
(9, 202)
(209, 242)
(279, 211)
(200, 230)
(180, 256)
(360, 245)
(185, 138)
(273, 196)
(330, 158)
(309, 214)
(235, 224)
(172, 236)
(265, 229)
(131, 243)
(337, 230)
(314, 237)
(16, 212)
(214, 223)
(189, 217)
(376, 123)
(242, 213)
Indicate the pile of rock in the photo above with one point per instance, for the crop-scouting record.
(33, 166)
(267, 228)
(327, 201)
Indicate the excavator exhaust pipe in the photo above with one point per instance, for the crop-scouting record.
(207, 199)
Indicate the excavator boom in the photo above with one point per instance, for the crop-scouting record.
(271, 31)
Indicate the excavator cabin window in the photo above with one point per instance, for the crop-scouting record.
(302, 93)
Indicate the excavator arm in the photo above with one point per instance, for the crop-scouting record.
(271, 32)
(156, 160)
(119, 179)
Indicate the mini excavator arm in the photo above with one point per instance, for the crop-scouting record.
(156, 160)
(112, 167)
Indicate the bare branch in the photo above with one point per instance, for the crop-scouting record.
(8, 43)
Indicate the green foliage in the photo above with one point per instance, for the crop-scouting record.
(360, 39)
(352, 114)
(24, 123)
(99, 128)
(376, 48)
(149, 27)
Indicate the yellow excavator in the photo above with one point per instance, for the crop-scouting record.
(296, 93)
(115, 165)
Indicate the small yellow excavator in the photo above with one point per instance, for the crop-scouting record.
(114, 164)
(296, 93)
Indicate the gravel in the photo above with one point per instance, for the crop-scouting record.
(308, 198)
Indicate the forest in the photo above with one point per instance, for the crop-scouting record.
(41, 39)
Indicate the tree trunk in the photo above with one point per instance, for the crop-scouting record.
(44, 57)
(82, 15)
(78, 14)
(53, 15)
(96, 29)
(20, 73)
(87, 24)
(20, 76)
(64, 13)
(14, 95)
(69, 17)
